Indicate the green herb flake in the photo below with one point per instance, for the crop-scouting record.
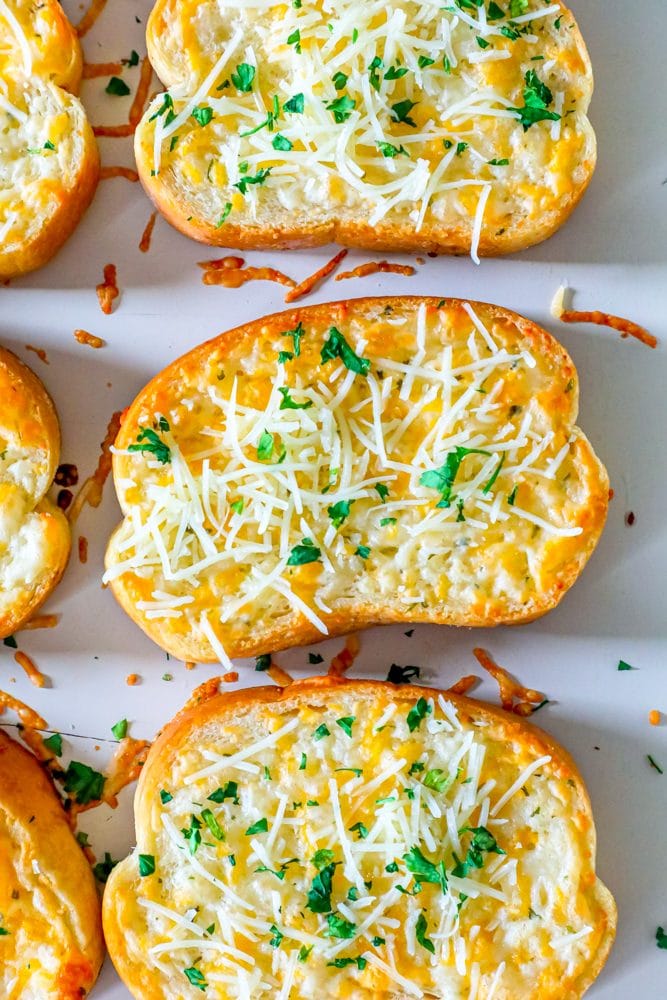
(265, 446)
(243, 77)
(83, 782)
(120, 729)
(622, 665)
(149, 443)
(117, 87)
(192, 834)
(203, 115)
(259, 178)
(287, 403)
(319, 894)
(390, 151)
(228, 791)
(442, 479)
(103, 869)
(306, 552)
(437, 779)
(360, 830)
(401, 112)
(661, 938)
(340, 80)
(10, 641)
(261, 826)
(315, 658)
(303, 763)
(196, 978)
(320, 733)
(339, 927)
(654, 765)
(295, 105)
(212, 824)
(417, 713)
(304, 952)
(482, 842)
(282, 143)
(537, 98)
(363, 551)
(336, 346)
(165, 796)
(343, 963)
(346, 724)
(295, 40)
(339, 512)
(425, 870)
(146, 865)
(420, 933)
(54, 743)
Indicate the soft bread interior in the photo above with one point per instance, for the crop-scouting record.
(280, 826)
(376, 124)
(51, 945)
(279, 500)
(48, 160)
(34, 533)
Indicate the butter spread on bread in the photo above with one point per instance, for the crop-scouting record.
(386, 124)
(34, 533)
(49, 162)
(338, 839)
(370, 461)
(50, 927)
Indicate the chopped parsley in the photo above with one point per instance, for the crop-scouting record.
(319, 894)
(661, 938)
(654, 765)
(401, 112)
(395, 72)
(202, 115)
(295, 40)
(212, 824)
(265, 446)
(482, 842)
(382, 491)
(360, 830)
(622, 665)
(425, 870)
(282, 143)
(417, 713)
(228, 791)
(117, 87)
(496, 472)
(54, 743)
(303, 762)
(338, 512)
(196, 978)
(511, 499)
(437, 779)
(306, 552)
(498, 163)
(320, 733)
(263, 662)
(287, 403)
(277, 937)
(442, 479)
(243, 77)
(149, 443)
(420, 933)
(343, 963)
(363, 551)
(103, 869)
(315, 658)
(340, 80)
(294, 105)
(192, 834)
(336, 346)
(261, 826)
(165, 796)
(146, 865)
(10, 641)
(339, 927)
(83, 782)
(537, 98)
(120, 729)
(258, 178)
(346, 724)
(341, 108)
(384, 521)
(225, 213)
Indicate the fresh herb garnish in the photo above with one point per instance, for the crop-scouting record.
(261, 826)
(442, 479)
(243, 77)
(437, 779)
(420, 933)
(83, 782)
(228, 791)
(343, 963)
(103, 869)
(482, 842)
(661, 938)
(363, 551)
(203, 115)
(294, 105)
(258, 178)
(360, 830)
(306, 552)
(336, 346)
(321, 732)
(417, 713)
(341, 108)
(192, 834)
(319, 894)
(401, 112)
(117, 87)
(263, 662)
(165, 796)
(346, 724)
(425, 870)
(146, 865)
(537, 98)
(287, 403)
(212, 824)
(149, 443)
(654, 765)
(390, 151)
(315, 658)
(622, 665)
(196, 978)
(338, 512)
(120, 729)
(339, 927)
(54, 743)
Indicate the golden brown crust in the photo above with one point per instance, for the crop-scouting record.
(29, 420)
(156, 397)
(176, 206)
(50, 208)
(209, 709)
(37, 838)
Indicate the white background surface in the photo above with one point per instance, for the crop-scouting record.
(614, 253)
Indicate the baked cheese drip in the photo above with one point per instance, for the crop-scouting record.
(369, 848)
(400, 457)
(467, 116)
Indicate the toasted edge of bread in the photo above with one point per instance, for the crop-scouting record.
(45, 844)
(41, 413)
(208, 708)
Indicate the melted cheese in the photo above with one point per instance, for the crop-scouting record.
(252, 904)
(399, 113)
(214, 538)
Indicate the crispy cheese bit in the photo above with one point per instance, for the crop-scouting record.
(189, 664)
(654, 717)
(90, 17)
(230, 677)
(376, 267)
(222, 263)
(308, 284)
(464, 685)
(92, 489)
(342, 661)
(146, 236)
(279, 676)
(132, 680)
(625, 327)
(40, 621)
(83, 337)
(510, 689)
(92, 70)
(107, 291)
(83, 549)
(33, 673)
(234, 277)
(107, 173)
(39, 351)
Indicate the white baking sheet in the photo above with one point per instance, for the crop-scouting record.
(614, 253)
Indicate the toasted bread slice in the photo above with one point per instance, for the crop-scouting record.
(49, 164)
(364, 462)
(51, 941)
(34, 533)
(340, 839)
(389, 124)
